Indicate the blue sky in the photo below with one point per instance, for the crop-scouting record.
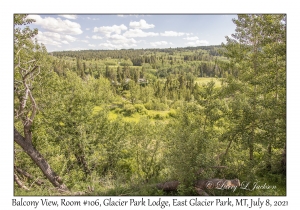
(123, 31)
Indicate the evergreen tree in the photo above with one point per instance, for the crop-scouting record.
(257, 56)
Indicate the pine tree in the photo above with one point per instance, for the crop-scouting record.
(257, 62)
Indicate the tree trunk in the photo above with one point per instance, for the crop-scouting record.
(39, 160)
(251, 150)
(269, 155)
(283, 161)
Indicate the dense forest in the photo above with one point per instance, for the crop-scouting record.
(123, 122)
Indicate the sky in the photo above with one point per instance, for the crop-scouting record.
(61, 32)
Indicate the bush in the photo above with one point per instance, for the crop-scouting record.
(129, 110)
(140, 108)
(126, 63)
(156, 106)
(118, 110)
(149, 106)
(159, 117)
(172, 113)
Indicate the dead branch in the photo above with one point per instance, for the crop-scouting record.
(20, 184)
(26, 174)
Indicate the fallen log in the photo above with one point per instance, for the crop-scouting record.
(201, 185)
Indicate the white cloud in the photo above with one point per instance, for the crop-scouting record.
(47, 40)
(119, 39)
(191, 38)
(69, 16)
(118, 44)
(87, 29)
(70, 38)
(198, 43)
(52, 35)
(172, 33)
(96, 37)
(91, 45)
(107, 30)
(85, 41)
(87, 37)
(109, 46)
(155, 44)
(52, 38)
(57, 25)
(138, 33)
(126, 45)
(142, 24)
(142, 41)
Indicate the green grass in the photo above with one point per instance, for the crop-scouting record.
(205, 80)
(133, 118)
(152, 114)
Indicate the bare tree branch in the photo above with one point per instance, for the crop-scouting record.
(26, 174)
(20, 184)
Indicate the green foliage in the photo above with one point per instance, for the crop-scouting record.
(147, 142)
(191, 145)
(126, 63)
(156, 106)
(140, 108)
(258, 81)
(129, 109)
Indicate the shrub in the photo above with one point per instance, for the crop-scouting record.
(156, 106)
(118, 110)
(172, 113)
(159, 117)
(129, 109)
(149, 106)
(140, 108)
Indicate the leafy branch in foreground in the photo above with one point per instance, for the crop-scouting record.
(28, 60)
